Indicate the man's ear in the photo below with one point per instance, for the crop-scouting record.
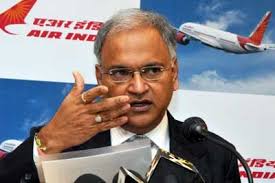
(175, 71)
(98, 74)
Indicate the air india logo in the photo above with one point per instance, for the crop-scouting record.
(48, 28)
(16, 14)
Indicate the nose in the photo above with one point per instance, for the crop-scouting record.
(137, 85)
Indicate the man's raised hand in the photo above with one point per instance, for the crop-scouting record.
(81, 116)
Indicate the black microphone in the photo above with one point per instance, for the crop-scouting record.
(127, 176)
(87, 178)
(195, 129)
(167, 167)
(171, 178)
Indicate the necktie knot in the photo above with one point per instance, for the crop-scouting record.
(135, 138)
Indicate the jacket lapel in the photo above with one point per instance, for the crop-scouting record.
(195, 152)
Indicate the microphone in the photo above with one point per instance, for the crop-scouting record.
(195, 129)
(167, 167)
(87, 178)
(127, 176)
(170, 179)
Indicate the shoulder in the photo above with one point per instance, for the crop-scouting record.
(205, 146)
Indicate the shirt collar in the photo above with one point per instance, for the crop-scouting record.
(159, 135)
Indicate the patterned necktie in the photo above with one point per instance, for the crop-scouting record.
(134, 138)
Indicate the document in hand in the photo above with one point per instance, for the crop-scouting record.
(97, 164)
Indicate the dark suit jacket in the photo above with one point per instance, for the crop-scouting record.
(215, 163)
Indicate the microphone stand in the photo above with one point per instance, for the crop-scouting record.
(194, 128)
(207, 135)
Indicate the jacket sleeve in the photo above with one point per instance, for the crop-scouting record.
(18, 166)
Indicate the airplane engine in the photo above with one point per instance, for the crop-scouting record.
(182, 38)
(2, 154)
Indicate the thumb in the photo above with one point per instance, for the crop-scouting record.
(78, 84)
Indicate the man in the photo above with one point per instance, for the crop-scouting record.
(137, 73)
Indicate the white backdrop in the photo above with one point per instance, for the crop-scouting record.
(245, 120)
(47, 59)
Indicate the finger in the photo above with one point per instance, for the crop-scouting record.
(90, 95)
(108, 104)
(78, 84)
(110, 115)
(111, 124)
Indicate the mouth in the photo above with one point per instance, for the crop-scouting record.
(140, 105)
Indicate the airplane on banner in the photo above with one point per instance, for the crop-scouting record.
(226, 41)
(8, 146)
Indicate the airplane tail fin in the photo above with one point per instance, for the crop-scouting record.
(257, 35)
(16, 14)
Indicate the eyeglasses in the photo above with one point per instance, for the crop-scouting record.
(122, 75)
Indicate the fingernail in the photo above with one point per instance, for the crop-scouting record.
(124, 118)
(126, 107)
(103, 89)
(124, 99)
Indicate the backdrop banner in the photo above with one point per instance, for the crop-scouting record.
(43, 42)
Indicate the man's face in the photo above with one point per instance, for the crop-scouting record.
(136, 49)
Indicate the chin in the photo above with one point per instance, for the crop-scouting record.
(140, 124)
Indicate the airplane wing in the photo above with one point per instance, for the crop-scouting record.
(189, 34)
(185, 34)
(184, 37)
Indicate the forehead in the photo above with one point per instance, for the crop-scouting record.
(134, 48)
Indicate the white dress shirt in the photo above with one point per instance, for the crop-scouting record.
(159, 135)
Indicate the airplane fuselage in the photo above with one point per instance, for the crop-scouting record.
(217, 38)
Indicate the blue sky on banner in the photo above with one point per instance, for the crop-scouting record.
(26, 104)
(205, 68)
(30, 103)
